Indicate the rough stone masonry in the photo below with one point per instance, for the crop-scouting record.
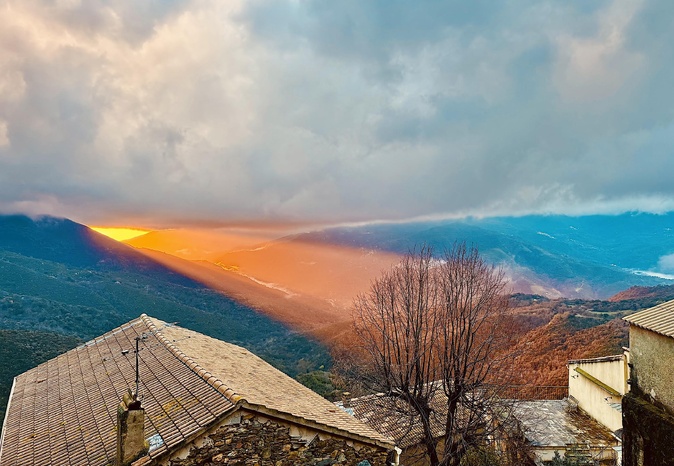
(256, 443)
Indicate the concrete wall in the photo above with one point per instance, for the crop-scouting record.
(597, 399)
(652, 359)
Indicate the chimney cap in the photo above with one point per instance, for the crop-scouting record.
(131, 401)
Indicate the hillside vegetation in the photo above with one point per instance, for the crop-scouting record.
(551, 332)
(61, 283)
(563, 264)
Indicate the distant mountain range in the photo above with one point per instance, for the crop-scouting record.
(566, 266)
(61, 283)
(559, 256)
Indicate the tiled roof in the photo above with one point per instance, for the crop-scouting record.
(63, 412)
(557, 423)
(260, 385)
(659, 319)
(546, 422)
(394, 418)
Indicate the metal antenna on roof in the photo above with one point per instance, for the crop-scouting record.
(144, 336)
(135, 395)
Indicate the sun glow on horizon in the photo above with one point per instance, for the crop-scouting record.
(120, 233)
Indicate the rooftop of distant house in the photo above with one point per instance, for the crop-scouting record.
(394, 418)
(63, 412)
(558, 423)
(659, 319)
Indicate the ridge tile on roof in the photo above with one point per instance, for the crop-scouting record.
(250, 378)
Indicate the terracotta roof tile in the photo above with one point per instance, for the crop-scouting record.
(64, 410)
(241, 375)
(396, 419)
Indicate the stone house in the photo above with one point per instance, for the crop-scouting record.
(648, 409)
(199, 401)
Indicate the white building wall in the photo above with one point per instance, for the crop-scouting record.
(601, 398)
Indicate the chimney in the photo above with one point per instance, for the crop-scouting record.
(131, 443)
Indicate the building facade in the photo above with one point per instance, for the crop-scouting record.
(648, 410)
(598, 385)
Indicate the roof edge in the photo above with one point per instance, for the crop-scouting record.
(210, 379)
(613, 357)
(288, 417)
(644, 327)
(4, 421)
(101, 338)
(657, 319)
(604, 386)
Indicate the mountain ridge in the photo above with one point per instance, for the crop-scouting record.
(60, 279)
(586, 257)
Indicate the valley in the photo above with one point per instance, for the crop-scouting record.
(563, 281)
(288, 297)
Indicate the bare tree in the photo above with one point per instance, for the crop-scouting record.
(431, 331)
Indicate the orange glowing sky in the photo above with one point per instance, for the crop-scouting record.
(120, 233)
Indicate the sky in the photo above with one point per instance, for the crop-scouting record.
(170, 112)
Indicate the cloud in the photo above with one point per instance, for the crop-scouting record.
(666, 263)
(334, 111)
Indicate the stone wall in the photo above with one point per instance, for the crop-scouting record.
(651, 356)
(648, 410)
(648, 435)
(261, 442)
